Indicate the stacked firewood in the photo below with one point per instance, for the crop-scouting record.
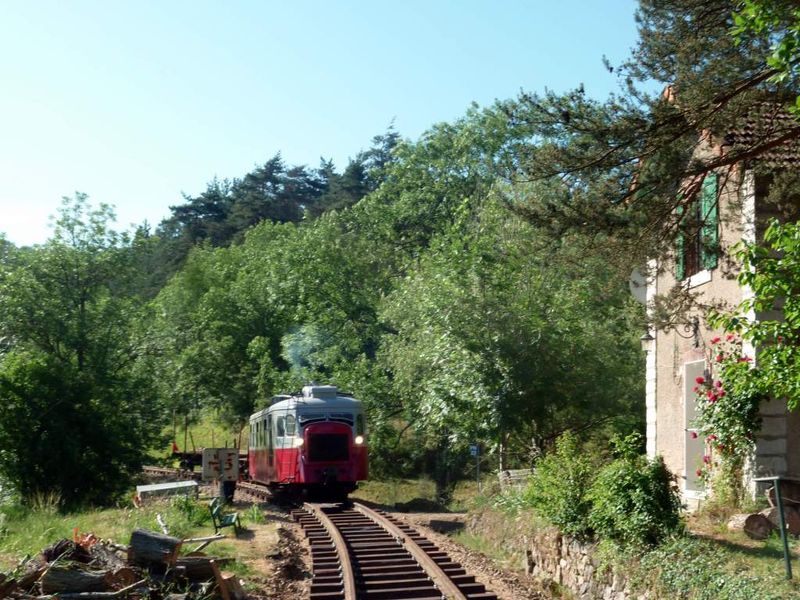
(87, 568)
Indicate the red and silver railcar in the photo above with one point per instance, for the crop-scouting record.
(311, 442)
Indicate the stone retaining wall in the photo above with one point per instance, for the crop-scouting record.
(550, 556)
(573, 565)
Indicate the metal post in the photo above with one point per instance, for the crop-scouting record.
(776, 481)
(478, 468)
(779, 501)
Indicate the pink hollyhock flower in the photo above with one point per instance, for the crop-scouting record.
(718, 384)
(721, 394)
(699, 380)
(694, 435)
(699, 473)
(707, 459)
(729, 337)
(695, 389)
(744, 359)
(711, 438)
(711, 395)
(715, 340)
(718, 358)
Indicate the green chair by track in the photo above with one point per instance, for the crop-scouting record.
(221, 519)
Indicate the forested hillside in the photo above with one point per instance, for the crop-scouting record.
(471, 286)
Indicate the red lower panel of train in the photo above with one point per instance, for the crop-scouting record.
(328, 456)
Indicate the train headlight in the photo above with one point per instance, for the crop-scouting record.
(298, 442)
(359, 439)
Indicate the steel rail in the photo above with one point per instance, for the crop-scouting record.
(348, 576)
(440, 579)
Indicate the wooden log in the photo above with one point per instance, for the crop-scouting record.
(122, 577)
(791, 515)
(134, 587)
(756, 526)
(199, 568)
(69, 579)
(31, 571)
(228, 583)
(7, 585)
(150, 548)
(790, 493)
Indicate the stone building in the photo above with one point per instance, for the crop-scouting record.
(729, 205)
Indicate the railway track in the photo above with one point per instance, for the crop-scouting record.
(167, 472)
(253, 492)
(361, 554)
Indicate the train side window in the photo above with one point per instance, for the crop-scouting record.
(290, 425)
(280, 427)
(359, 424)
(270, 454)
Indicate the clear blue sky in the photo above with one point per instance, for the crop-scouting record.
(136, 102)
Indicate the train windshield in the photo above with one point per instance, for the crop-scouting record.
(339, 417)
(342, 417)
(306, 419)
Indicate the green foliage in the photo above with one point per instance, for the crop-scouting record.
(781, 22)
(79, 414)
(727, 416)
(772, 271)
(187, 513)
(559, 490)
(635, 501)
(686, 567)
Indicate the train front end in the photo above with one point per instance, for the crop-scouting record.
(312, 443)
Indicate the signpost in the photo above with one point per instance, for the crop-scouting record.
(475, 450)
(222, 464)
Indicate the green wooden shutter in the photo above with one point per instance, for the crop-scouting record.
(680, 264)
(709, 213)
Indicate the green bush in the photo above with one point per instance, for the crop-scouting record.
(634, 500)
(559, 488)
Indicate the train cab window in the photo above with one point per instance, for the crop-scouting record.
(342, 417)
(310, 418)
(360, 425)
(280, 426)
(290, 425)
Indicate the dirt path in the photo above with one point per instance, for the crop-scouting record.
(276, 555)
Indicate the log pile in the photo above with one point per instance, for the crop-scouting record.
(149, 566)
(760, 525)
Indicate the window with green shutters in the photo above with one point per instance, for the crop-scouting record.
(709, 233)
(697, 245)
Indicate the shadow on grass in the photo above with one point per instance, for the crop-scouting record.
(772, 549)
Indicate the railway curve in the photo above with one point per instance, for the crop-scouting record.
(361, 554)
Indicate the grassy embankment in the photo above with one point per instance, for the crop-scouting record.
(708, 563)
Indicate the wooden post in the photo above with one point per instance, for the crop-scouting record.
(149, 548)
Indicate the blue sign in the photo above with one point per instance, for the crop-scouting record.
(473, 449)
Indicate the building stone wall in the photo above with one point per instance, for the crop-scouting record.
(778, 443)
